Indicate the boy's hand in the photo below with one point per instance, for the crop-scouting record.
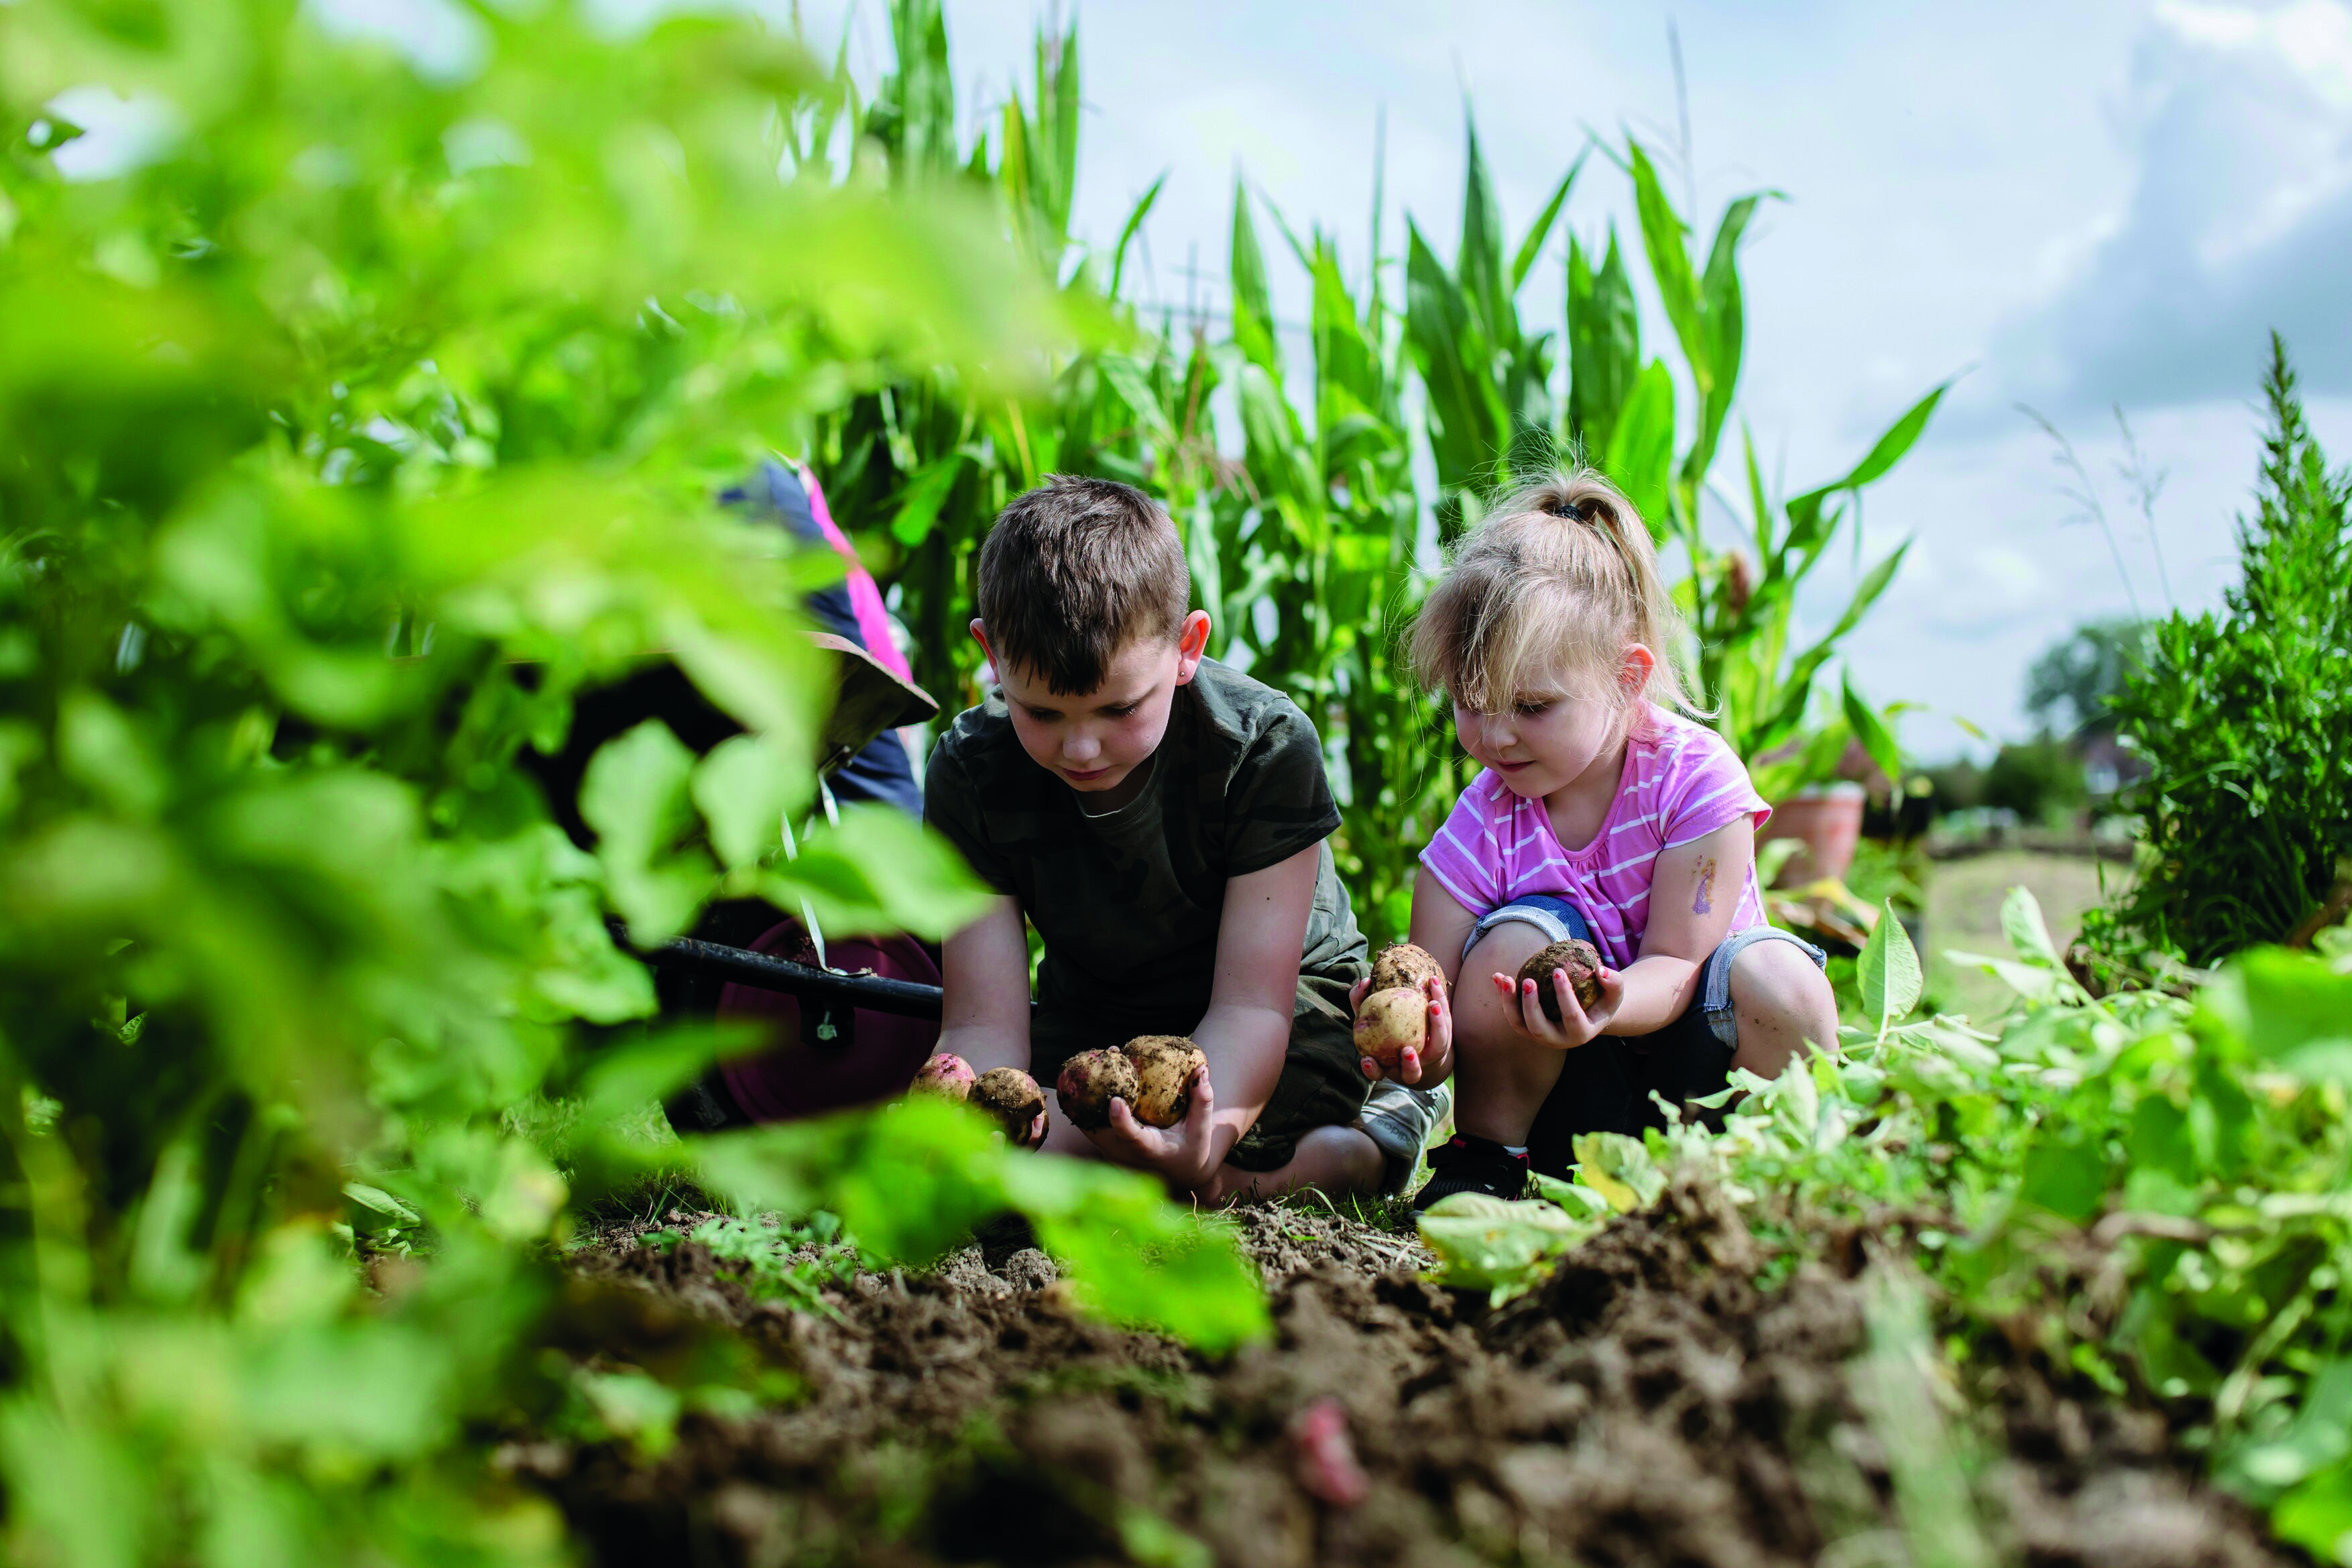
(1183, 1155)
(1577, 1023)
(1431, 1064)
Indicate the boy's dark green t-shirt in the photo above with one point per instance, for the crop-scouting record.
(1128, 903)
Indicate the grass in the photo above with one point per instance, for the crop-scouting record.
(1964, 899)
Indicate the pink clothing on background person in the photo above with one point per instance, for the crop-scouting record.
(1680, 782)
(865, 596)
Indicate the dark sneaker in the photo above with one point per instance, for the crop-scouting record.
(1467, 1164)
(1400, 1120)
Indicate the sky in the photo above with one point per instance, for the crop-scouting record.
(2100, 205)
(2094, 210)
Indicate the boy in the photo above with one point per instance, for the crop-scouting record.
(1160, 819)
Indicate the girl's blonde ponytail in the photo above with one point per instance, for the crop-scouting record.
(1558, 579)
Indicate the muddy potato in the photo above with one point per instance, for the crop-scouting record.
(1090, 1080)
(1013, 1097)
(945, 1076)
(1581, 961)
(1402, 965)
(1391, 1023)
(1167, 1066)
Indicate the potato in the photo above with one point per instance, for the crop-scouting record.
(1090, 1080)
(1581, 961)
(1391, 1023)
(1403, 965)
(1013, 1097)
(945, 1076)
(1167, 1067)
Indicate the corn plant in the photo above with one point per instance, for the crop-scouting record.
(1492, 415)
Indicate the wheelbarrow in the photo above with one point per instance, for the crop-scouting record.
(846, 1022)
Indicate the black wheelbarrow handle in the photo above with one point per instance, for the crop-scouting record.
(907, 998)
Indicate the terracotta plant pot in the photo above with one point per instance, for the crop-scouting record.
(1827, 820)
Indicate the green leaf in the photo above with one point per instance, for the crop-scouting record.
(1724, 325)
(1131, 381)
(1531, 246)
(926, 493)
(1889, 972)
(1253, 303)
(2286, 1007)
(1604, 345)
(2028, 932)
(743, 789)
(2065, 1174)
(1665, 240)
(1451, 355)
(1640, 457)
(1806, 516)
(1620, 1169)
(1797, 691)
(1135, 1258)
(881, 871)
(1479, 264)
(1134, 224)
(633, 795)
(910, 1180)
(377, 1200)
(2317, 1515)
(1898, 438)
(1501, 1245)
(1872, 731)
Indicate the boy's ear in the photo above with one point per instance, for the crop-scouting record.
(980, 635)
(1192, 642)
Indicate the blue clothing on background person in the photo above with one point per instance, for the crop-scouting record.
(774, 493)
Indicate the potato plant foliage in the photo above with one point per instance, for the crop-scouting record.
(2145, 1193)
(342, 442)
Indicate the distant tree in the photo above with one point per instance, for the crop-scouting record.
(2071, 686)
(2040, 780)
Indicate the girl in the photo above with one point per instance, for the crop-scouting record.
(1602, 814)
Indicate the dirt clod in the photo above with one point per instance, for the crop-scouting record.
(1583, 961)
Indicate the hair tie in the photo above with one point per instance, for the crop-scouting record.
(1575, 511)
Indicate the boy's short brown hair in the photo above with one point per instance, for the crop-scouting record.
(1074, 570)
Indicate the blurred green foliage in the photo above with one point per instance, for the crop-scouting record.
(2040, 780)
(349, 433)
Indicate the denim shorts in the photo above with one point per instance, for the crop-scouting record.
(1606, 1085)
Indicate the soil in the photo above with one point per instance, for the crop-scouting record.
(1648, 1404)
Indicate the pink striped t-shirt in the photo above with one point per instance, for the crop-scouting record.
(1681, 782)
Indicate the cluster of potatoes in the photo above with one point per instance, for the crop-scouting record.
(1154, 1073)
(1157, 1073)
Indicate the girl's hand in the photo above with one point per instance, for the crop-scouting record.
(1433, 1064)
(1184, 1155)
(1577, 1022)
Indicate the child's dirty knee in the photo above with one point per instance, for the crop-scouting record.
(1778, 978)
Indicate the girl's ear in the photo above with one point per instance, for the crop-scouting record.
(1633, 672)
(1192, 642)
